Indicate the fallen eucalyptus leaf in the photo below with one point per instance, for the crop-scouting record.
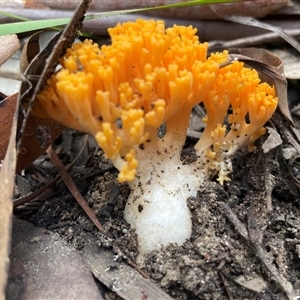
(43, 266)
(9, 44)
(124, 280)
(37, 73)
(7, 112)
(7, 173)
(38, 136)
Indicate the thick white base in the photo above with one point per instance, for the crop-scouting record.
(157, 206)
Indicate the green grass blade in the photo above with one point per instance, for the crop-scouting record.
(25, 26)
(173, 5)
(20, 27)
(195, 2)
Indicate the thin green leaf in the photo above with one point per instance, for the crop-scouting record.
(20, 27)
(13, 16)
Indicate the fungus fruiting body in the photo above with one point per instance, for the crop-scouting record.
(136, 95)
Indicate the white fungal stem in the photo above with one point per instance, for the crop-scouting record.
(157, 206)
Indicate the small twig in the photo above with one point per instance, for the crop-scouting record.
(11, 75)
(33, 195)
(131, 263)
(226, 285)
(72, 187)
(20, 201)
(258, 251)
(251, 40)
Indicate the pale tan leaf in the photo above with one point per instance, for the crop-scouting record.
(9, 44)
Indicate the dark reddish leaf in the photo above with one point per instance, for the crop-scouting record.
(30, 50)
(7, 173)
(7, 111)
(39, 134)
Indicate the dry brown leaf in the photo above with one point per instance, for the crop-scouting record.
(6, 196)
(9, 44)
(44, 267)
(7, 111)
(263, 25)
(27, 198)
(30, 50)
(129, 284)
(37, 137)
(39, 134)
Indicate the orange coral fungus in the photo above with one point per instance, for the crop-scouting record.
(147, 80)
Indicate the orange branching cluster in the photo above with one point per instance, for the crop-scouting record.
(251, 103)
(146, 77)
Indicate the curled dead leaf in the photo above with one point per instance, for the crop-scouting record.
(30, 50)
(7, 173)
(44, 64)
